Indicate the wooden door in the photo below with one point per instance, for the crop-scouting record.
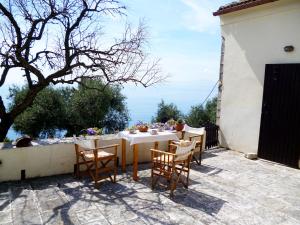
(279, 139)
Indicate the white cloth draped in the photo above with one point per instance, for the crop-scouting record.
(146, 137)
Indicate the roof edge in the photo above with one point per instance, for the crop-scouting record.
(241, 6)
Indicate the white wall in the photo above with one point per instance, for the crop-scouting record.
(39, 161)
(253, 37)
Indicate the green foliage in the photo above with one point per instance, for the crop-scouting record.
(166, 112)
(171, 122)
(199, 115)
(116, 120)
(72, 109)
(211, 109)
(44, 117)
(96, 106)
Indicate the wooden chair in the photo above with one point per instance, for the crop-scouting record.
(172, 165)
(99, 163)
(197, 134)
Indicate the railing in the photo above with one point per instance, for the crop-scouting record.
(212, 133)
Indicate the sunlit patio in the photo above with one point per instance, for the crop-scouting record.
(226, 189)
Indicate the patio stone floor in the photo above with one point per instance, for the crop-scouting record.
(226, 189)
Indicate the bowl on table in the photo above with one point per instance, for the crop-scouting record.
(153, 132)
(143, 128)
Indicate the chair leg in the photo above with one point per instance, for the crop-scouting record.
(200, 158)
(172, 185)
(152, 177)
(154, 182)
(198, 161)
(188, 175)
(115, 169)
(179, 176)
(77, 167)
(96, 174)
(195, 159)
(77, 161)
(88, 166)
(77, 170)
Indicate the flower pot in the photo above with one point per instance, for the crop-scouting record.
(179, 127)
(143, 128)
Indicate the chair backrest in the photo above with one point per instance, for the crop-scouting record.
(183, 152)
(86, 145)
(193, 130)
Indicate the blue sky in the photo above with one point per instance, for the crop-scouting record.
(186, 37)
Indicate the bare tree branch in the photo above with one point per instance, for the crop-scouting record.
(60, 42)
(13, 22)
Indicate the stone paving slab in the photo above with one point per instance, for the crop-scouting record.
(226, 189)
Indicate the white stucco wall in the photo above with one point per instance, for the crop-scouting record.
(253, 37)
(47, 160)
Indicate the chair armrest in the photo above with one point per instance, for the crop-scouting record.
(162, 152)
(103, 147)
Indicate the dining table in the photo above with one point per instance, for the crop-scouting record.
(137, 138)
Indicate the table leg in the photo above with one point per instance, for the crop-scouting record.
(135, 162)
(123, 155)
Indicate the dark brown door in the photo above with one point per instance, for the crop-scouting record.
(279, 139)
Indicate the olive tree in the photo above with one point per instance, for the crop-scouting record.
(55, 110)
(198, 115)
(61, 42)
(166, 112)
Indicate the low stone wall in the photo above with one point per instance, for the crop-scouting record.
(47, 160)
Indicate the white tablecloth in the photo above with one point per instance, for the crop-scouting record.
(146, 137)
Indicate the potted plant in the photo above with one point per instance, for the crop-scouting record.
(179, 125)
(142, 127)
(170, 124)
(91, 131)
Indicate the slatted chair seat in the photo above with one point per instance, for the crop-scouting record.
(101, 154)
(172, 166)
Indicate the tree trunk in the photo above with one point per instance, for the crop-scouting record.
(7, 119)
(5, 123)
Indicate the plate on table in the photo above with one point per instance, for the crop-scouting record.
(132, 132)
